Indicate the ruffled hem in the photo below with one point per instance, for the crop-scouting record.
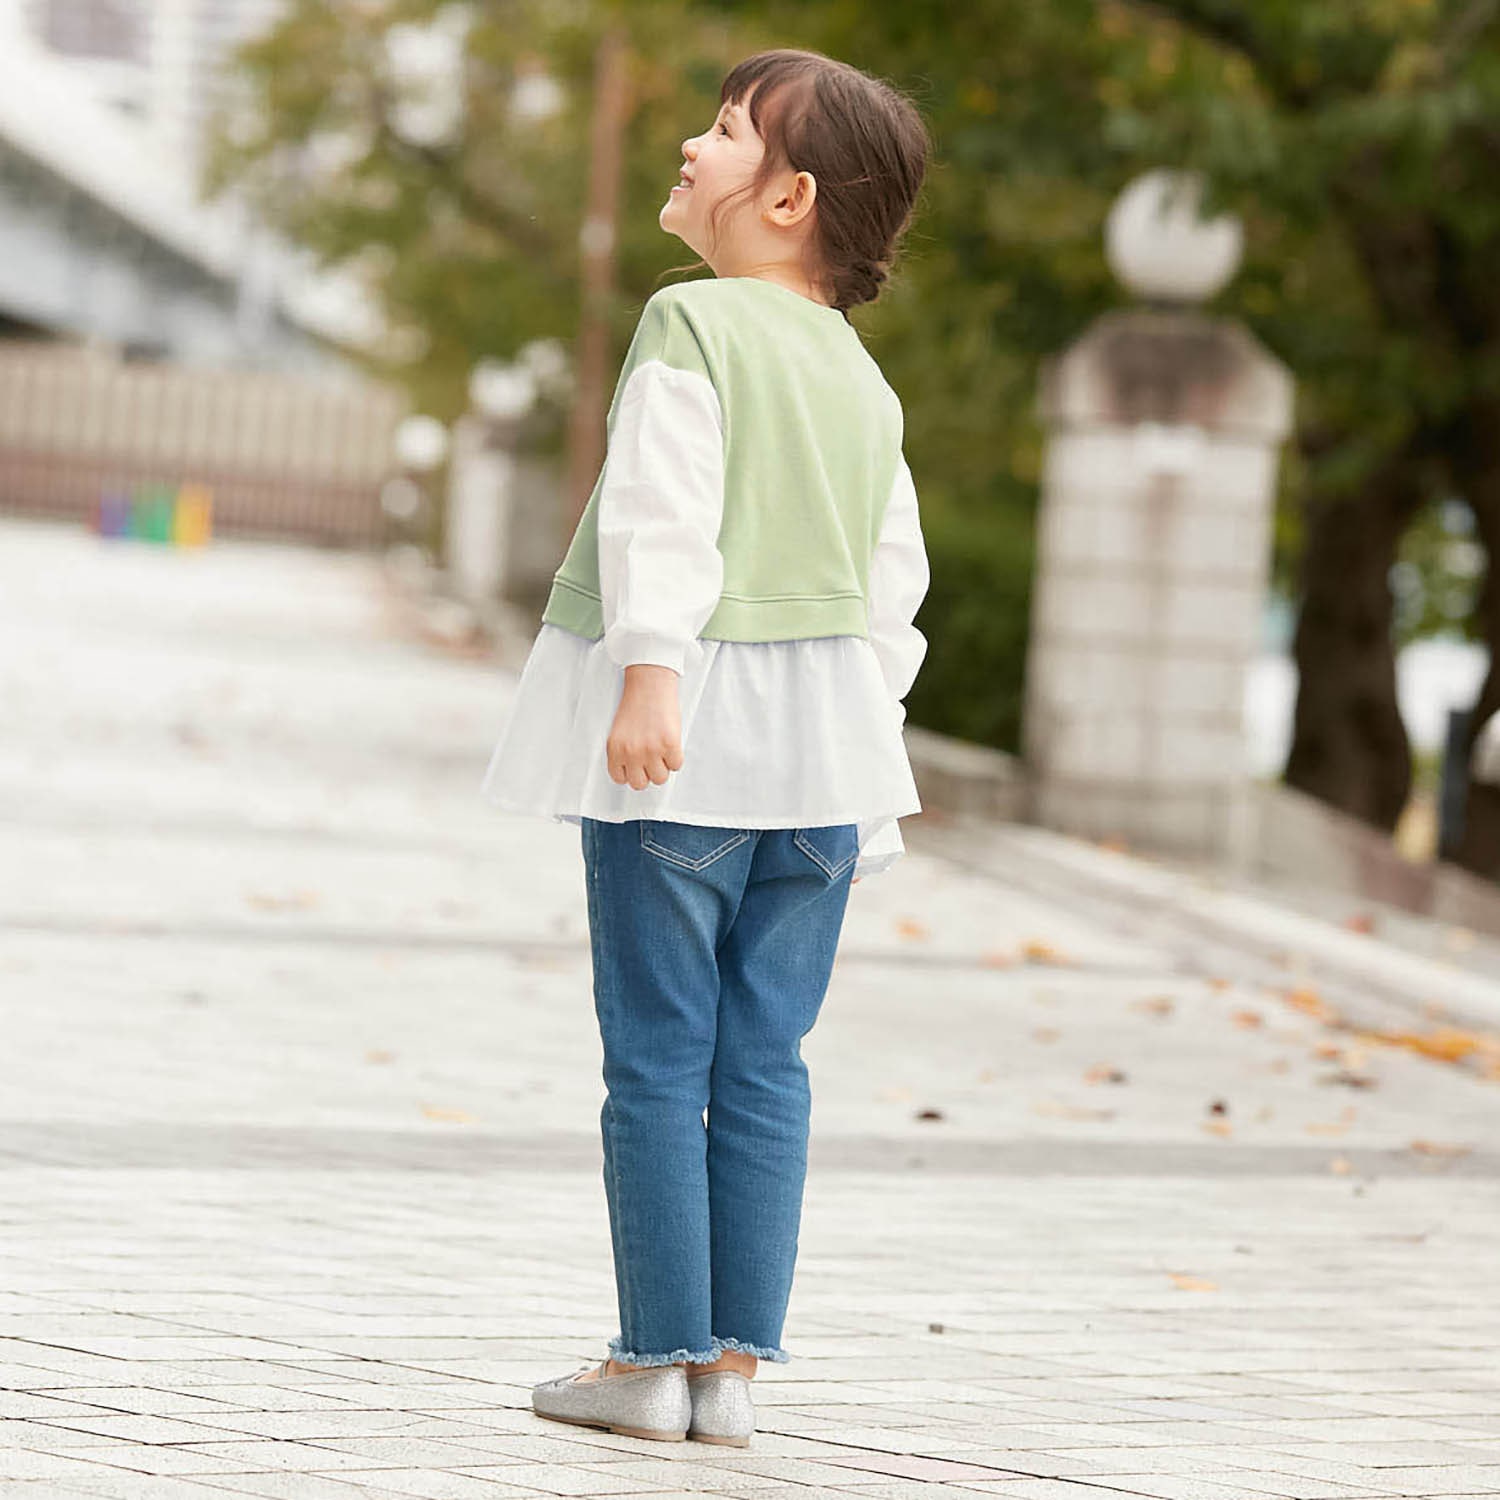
(874, 821)
(799, 733)
(880, 840)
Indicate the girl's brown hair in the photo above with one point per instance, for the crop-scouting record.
(865, 145)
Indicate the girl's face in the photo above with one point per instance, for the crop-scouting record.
(717, 162)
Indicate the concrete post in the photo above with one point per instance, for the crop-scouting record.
(504, 489)
(1153, 551)
(476, 535)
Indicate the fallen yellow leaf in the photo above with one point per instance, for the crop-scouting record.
(1042, 953)
(1071, 1111)
(1447, 1043)
(297, 901)
(1438, 1148)
(1307, 999)
(1156, 1005)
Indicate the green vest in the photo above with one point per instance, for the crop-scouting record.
(812, 441)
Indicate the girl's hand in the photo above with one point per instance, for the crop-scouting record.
(645, 740)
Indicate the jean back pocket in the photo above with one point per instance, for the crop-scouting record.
(833, 848)
(689, 846)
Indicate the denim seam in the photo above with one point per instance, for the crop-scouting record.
(614, 1172)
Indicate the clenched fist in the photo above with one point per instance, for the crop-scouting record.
(645, 740)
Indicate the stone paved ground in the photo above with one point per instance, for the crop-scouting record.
(299, 1090)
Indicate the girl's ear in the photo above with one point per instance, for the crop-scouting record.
(796, 201)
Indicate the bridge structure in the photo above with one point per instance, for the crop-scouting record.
(101, 242)
(154, 346)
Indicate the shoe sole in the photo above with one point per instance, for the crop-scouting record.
(727, 1442)
(637, 1432)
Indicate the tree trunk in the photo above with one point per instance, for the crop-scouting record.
(1349, 746)
(1478, 848)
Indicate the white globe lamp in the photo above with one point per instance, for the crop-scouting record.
(421, 443)
(502, 392)
(1159, 247)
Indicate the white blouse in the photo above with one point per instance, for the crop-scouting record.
(775, 734)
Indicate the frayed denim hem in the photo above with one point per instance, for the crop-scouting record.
(761, 1351)
(623, 1356)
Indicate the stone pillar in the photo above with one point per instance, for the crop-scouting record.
(1153, 548)
(476, 534)
(505, 483)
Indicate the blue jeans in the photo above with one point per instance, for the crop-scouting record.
(712, 950)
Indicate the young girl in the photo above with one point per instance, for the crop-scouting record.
(714, 696)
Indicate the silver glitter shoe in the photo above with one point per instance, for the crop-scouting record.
(722, 1409)
(648, 1403)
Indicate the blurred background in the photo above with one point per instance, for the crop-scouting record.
(360, 275)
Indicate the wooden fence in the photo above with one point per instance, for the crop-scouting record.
(285, 456)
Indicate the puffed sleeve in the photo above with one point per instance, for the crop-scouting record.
(899, 578)
(661, 497)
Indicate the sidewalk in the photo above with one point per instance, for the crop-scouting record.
(299, 1155)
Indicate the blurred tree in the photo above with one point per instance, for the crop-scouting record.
(457, 191)
(1358, 139)
(1360, 142)
(1364, 142)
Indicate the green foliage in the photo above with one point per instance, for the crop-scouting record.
(1436, 578)
(471, 249)
(1355, 138)
(975, 618)
(1357, 141)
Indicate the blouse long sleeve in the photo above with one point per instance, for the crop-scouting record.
(660, 506)
(899, 578)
